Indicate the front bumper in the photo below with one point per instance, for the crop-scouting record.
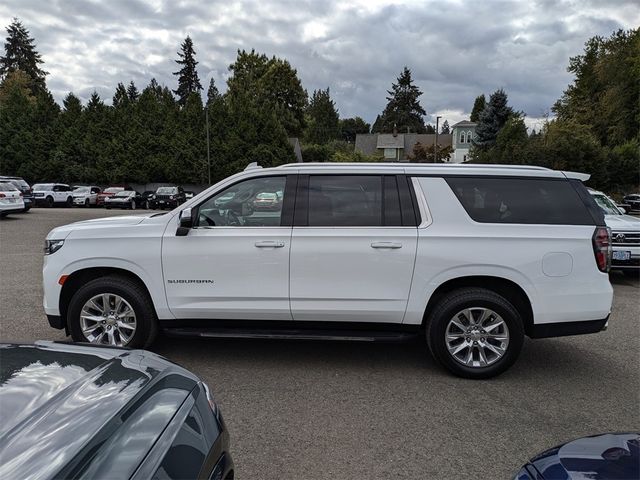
(634, 261)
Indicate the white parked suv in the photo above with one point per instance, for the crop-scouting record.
(625, 235)
(11, 200)
(86, 196)
(48, 194)
(472, 258)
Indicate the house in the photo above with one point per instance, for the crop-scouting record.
(397, 147)
(463, 134)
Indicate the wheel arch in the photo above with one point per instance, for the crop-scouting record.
(509, 289)
(80, 277)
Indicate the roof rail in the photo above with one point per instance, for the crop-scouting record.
(413, 165)
(252, 166)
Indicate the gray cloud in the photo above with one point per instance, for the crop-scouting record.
(456, 49)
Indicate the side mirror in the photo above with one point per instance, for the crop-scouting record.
(186, 222)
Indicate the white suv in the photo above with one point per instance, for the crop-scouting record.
(471, 257)
(85, 196)
(49, 194)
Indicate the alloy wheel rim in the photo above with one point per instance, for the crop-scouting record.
(108, 319)
(477, 337)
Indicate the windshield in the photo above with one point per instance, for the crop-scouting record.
(606, 205)
(43, 186)
(123, 194)
(166, 190)
(114, 190)
(81, 190)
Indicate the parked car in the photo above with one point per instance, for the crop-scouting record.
(470, 257)
(146, 197)
(50, 194)
(612, 456)
(633, 201)
(267, 201)
(80, 411)
(10, 199)
(124, 199)
(25, 189)
(86, 196)
(625, 235)
(167, 197)
(108, 192)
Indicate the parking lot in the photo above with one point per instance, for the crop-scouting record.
(342, 410)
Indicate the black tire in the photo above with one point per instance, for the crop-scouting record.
(472, 297)
(86, 203)
(49, 201)
(133, 205)
(69, 202)
(132, 292)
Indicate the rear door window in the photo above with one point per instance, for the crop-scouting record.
(520, 200)
(353, 201)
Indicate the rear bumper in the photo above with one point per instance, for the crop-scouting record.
(563, 329)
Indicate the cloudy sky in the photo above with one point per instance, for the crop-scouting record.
(456, 49)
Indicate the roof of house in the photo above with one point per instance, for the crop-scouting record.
(369, 143)
(464, 123)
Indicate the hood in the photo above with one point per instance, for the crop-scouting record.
(62, 232)
(62, 403)
(622, 222)
(612, 455)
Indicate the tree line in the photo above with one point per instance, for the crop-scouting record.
(155, 134)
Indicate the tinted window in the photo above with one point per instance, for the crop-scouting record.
(353, 201)
(520, 200)
(256, 202)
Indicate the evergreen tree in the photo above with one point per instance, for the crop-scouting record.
(20, 54)
(428, 128)
(323, 124)
(188, 81)
(445, 130)
(377, 125)
(492, 119)
(212, 92)
(120, 98)
(132, 92)
(350, 127)
(403, 109)
(478, 106)
(272, 83)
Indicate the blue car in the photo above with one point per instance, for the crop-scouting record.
(600, 457)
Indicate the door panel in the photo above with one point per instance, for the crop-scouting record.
(221, 273)
(340, 274)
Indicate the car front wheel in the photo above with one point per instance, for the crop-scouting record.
(112, 310)
(475, 333)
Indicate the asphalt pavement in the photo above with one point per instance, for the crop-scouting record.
(315, 410)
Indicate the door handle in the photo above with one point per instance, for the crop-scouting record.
(386, 245)
(269, 244)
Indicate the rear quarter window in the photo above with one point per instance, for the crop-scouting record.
(520, 200)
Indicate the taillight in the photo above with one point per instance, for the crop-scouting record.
(2, 195)
(602, 248)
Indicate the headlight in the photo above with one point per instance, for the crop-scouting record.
(172, 197)
(52, 246)
(153, 197)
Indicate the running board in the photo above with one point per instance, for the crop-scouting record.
(301, 334)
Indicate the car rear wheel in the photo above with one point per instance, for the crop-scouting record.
(112, 310)
(475, 333)
(86, 203)
(69, 202)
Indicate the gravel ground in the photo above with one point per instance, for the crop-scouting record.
(339, 410)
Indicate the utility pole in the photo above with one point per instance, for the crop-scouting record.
(435, 147)
(206, 115)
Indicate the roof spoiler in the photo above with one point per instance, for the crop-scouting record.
(583, 177)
